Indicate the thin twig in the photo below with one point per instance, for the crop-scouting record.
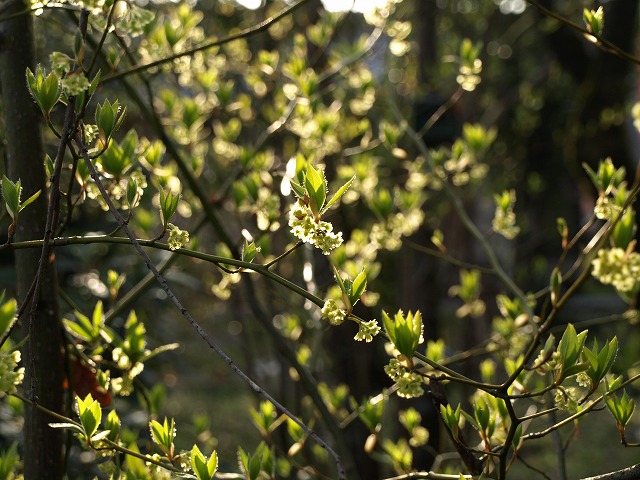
(598, 40)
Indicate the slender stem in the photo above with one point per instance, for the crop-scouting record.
(453, 99)
(448, 258)
(107, 27)
(600, 42)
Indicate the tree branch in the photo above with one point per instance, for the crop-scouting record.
(247, 32)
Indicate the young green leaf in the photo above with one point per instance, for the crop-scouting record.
(358, 287)
(29, 200)
(112, 424)
(11, 193)
(316, 186)
(249, 251)
(90, 415)
(7, 314)
(45, 91)
(404, 332)
(203, 468)
(168, 206)
(163, 435)
(341, 191)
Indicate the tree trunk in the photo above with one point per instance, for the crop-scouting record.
(43, 445)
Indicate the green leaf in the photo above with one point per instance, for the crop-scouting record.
(298, 190)
(11, 194)
(316, 186)
(29, 200)
(295, 431)
(69, 426)
(338, 194)
(168, 206)
(163, 434)
(45, 91)
(570, 349)
(405, 332)
(7, 314)
(90, 414)
(199, 464)
(94, 83)
(255, 467)
(112, 423)
(358, 287)
(555, 283)
(97, 318)
(77, 330)
(249, 251)
(100, 436)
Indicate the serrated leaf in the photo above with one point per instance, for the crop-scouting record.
(157, 432)
(199, 464)
(90, 414)
(77, 330)
(338, 194)
(339, 281)
(11, 194)
(298, 190)
(243, 460)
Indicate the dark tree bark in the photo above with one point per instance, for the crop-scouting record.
(43, 357)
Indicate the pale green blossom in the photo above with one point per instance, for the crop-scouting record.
(566, 399)
(367, 330)
(410, 386)
(504, 223)
(333, 312)
(314, 232)
(10, 375)
(60, 63)
(177, 238)
(605, 208)
(75, 84)
(409, 383)
(583, 380)
(617, 267)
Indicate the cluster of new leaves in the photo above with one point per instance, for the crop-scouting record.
(114, 359)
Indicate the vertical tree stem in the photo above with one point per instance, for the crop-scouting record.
(43, 459)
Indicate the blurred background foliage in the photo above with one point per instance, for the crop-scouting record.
(224, 126)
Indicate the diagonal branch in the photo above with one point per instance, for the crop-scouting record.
(185, 313)
(598, 40)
